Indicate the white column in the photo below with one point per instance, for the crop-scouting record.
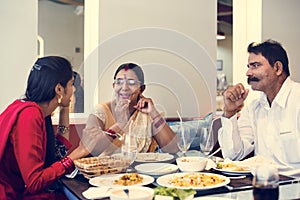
(247, 28)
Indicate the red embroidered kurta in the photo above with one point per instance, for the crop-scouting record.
(23, 150)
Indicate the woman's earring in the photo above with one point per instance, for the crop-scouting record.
(59, 100)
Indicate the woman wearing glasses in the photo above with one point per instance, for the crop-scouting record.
(129, 111)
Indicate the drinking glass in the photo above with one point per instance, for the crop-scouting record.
(206, 140)
(265, 183)
(129, 149)
(184, 138)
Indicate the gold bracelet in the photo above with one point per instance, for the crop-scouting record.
(62, 129)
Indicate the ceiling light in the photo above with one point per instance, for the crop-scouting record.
(221, 35)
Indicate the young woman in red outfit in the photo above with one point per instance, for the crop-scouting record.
(29, 164)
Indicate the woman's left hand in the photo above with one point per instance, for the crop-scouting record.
(145, 105)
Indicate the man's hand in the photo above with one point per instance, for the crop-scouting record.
(234, 98)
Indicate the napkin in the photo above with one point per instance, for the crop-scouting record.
(255, 161)
(96, 192)
(210, 164)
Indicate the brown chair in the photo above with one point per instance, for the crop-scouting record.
(216, 125)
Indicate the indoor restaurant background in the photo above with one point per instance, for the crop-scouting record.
(174, 41)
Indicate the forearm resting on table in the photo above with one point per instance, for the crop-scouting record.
(79, 152)
(167, 140)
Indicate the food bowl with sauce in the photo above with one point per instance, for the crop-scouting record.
(191, 163)
(133, 193)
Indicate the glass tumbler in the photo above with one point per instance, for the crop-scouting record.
(266, 183)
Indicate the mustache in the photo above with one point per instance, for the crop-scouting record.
(252, 79)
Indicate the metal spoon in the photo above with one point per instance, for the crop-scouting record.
(216, 151)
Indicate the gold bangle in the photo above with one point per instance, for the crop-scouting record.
(62, 129)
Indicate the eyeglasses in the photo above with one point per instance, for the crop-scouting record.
(130, 82)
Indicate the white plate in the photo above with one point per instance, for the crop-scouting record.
(164, 181)
(96, 192)
(108, 180)
(153, 157)
(229, 172)
(156, 169)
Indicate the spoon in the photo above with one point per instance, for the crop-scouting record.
(216, 151)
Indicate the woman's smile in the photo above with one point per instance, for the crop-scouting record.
(125, 96)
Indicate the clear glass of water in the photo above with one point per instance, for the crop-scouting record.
(129, 148)
(206, 140)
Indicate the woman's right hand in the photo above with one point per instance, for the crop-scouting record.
(122, 112)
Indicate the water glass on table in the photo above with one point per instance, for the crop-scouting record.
(266, 183)
(129, 149)
(184, 138)
(206, 140)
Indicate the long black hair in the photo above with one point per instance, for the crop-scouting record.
(45, 74)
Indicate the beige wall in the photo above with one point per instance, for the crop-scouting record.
(281, 22)
(18, 38)
(18, 19)
(247, 18)
(175, 44)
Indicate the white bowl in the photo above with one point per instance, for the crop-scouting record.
(135, 193)
(191, 163)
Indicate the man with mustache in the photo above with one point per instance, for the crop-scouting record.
(269, 125)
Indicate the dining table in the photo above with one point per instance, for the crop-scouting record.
(238, 188)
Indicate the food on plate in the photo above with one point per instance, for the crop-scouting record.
(230, 166)
(129, 179)
(196, 180)
(173, 192)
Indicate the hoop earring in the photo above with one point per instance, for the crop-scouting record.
(59, 100)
